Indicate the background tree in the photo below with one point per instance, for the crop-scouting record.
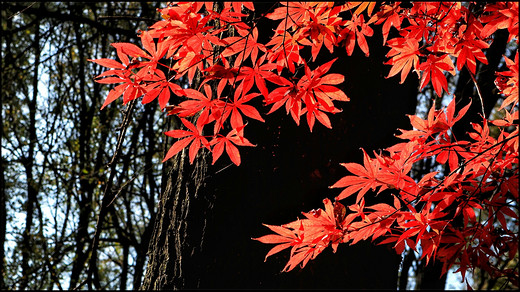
(56, 145)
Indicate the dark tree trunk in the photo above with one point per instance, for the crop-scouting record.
(179, 228)
(85, 197)
(207, 214)
(6, 59)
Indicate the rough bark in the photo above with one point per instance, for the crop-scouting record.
(179, 227)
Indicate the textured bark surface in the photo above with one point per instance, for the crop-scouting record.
(179, 228)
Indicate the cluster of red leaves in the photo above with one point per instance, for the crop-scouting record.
(215, 49)
(439, 32)
(480, 186)
(196, 39)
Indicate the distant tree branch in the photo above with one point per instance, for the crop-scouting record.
(44, 12)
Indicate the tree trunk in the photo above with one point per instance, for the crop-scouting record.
(6, 57)
(179, 227)
(207, 214)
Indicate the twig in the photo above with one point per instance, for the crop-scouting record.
(478, 91)
(107, 194)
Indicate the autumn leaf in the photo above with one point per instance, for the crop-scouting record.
(433, 69)
(284, 238)
(356, 30)
(228, 142)
(363, 179)
(193, 135)
(404, 54)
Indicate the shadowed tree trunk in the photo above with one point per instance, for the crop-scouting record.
(207, 214)
(6, 57)
(179, 228)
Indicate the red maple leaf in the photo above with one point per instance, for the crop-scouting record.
(193, 136)
(404, 54)
(433, 69)
(355, 29)
(467, 50)
(199, 102)
(257, 76)
(284, 51)
(238, 106)
(245, 46)
(390, 15)
(160, 87)
(500, 15)
(363, 178)
(228, 142)
(284, 238)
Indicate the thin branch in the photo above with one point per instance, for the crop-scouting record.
(478, 90)
(107, 194)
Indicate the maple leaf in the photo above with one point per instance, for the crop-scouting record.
(433, 69)
(287, 94)
(225, 74)
(324, 226)
(156, 51)
(450, 113)
(238, 105)
(363, 178)
(189, 62)
(110, 63)
(507, 82)
(237, 6)
(128, 49)
(500, 15)
(193, 136)
(229, 17)
(314, 90)
(132, 86)
(390, 15)
(317, 93)
(404, 54)
(208, 107)
(232, 138)
(395, 169)
(245, 46)
(284, 51)
(355, 29)
(361, 6)
(285, 238)
(449, 152)
(308, 237)
(321, 29)
(293, 14)
(467, 50)
(161, 88)
(257, 76)
(435, 123)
